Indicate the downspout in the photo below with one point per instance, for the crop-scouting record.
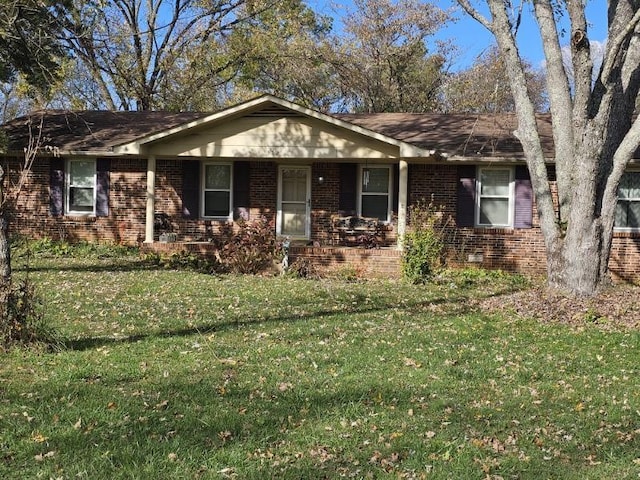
(403, 180)
(151, 199)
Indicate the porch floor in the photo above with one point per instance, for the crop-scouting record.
(368, 263)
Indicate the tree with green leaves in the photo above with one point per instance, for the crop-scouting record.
(283, 50)
(28, 40)
(386, 59)
(157, 54)
(595, 128)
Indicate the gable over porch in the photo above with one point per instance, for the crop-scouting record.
(312, 165)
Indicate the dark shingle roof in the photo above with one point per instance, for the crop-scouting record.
(455, 134)
(95, 131)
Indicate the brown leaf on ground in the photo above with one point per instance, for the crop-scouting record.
(613, 308)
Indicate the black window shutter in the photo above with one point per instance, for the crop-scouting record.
(241, 198)
(348, 188)
(103, 165)
(190, 189)
(466, 208)
(524, 199)
(56, 187)
(395, 172)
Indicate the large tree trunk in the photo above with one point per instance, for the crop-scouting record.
(578, 264)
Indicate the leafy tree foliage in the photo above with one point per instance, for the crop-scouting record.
(134, 54)
(284, 52)
(28, 40)
(382, 60)
(484, 87)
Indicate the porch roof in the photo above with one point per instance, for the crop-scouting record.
(462, 136)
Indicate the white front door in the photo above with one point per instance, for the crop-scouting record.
(294, 201)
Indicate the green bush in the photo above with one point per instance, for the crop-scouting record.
(423, 244)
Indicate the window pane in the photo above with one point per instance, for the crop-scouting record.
(621, 214)
(495, 182)
(375, 206)
(375, 180)
(294, 185)
(629, 185)
(217, 177)
(81, 173)
(80, 199)
(216, 204)
(494, 211)
(633, 215)
(293, 219)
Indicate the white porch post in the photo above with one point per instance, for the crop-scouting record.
(402, 201)
(151, 199)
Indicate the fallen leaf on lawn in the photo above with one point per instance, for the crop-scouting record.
(409, 362)
(78, 424)
(41, 456)
(38, 437)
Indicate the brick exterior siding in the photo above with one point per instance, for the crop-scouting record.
(519, 249)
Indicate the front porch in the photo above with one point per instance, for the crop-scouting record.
(367, 262)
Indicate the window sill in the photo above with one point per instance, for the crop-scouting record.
(494, 230)
(80, 216)
(626, 233)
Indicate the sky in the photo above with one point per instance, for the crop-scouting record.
(472, 39)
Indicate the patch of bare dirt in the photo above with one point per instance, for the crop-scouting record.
(616, 307)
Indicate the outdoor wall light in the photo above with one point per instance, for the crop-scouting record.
(320, 179)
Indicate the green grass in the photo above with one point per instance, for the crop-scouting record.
(178, 374)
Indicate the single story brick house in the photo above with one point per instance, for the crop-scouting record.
(143, 177)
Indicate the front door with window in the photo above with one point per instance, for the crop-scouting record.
(294, 201)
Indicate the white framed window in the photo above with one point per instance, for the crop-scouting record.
(495, 197)
(628, 206)
(374, 188)
(216, 190)
(80, 187)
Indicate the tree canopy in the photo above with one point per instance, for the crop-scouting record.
(28, 40)
(484, 87)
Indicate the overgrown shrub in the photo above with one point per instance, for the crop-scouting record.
(302, 268)
(423, 243)
(249, 250)
(183, 260)
(21, 320)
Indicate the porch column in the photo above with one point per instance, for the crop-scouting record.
(151, 199)
(403, 180)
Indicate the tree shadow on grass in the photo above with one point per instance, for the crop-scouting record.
(107, 265)
(444, 306)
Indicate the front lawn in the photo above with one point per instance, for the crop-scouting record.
(169, 374)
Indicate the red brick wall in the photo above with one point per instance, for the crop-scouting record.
(126, 207)
(510, 249)
(383, 263)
